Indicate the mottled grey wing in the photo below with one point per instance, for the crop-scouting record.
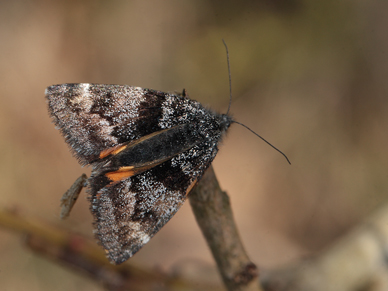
(129, 212)
(95, 117)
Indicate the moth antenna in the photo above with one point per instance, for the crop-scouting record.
(230, 76)
(263, 140)
(230, 103)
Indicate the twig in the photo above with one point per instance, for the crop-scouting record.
(212, 210)
(86, 257)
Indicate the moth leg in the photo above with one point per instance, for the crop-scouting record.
(68, 199)
(184, 93)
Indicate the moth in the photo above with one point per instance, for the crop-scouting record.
(147, 150)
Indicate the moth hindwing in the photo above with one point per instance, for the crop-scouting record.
(147, 150)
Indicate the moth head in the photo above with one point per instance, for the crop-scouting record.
(226, 121)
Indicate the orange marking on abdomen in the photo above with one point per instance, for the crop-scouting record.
(112, 151)
(120, 174)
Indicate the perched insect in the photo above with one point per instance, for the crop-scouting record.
(147, 150)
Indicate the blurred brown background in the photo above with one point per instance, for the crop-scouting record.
(310, 76)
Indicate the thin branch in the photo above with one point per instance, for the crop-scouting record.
(84, 256)
(213, 213)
